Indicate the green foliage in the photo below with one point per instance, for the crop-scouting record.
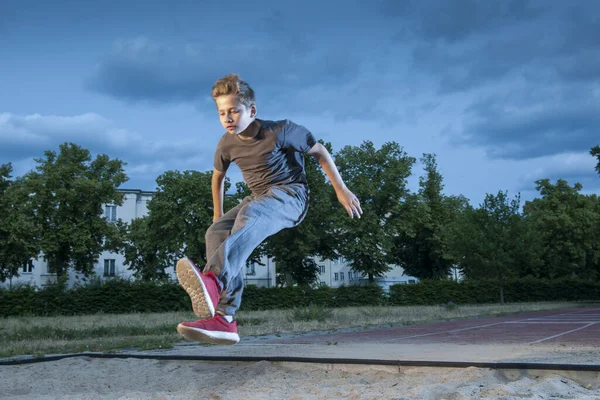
(141, 251)
(422, 243)
(290, 297)
(431, 292)
(568, 225)
(595, 151)
(119, 296)
(19, 237)
(111, 296)
(378, 177)
(57, 210)
(490, 241)
(67, 192)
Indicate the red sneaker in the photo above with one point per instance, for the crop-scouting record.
(203, 289)
(215, 330)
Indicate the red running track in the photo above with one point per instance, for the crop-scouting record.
(573, 327)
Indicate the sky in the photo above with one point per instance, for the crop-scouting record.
(503, 92)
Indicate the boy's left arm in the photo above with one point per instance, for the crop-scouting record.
(348, 200)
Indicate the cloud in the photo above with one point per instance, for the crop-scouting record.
(529, 71)
(457, 20)
(533, 122)
(466, 44)
(572, 167)
(23, 138)
(142, 70)
(30, 135)
(284, 54)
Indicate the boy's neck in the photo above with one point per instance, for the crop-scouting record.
(251, 131)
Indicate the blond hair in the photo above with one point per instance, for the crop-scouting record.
(233, 84)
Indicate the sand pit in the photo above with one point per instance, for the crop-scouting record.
(86, 378)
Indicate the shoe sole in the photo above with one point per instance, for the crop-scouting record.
(189, 278)
(203, 336)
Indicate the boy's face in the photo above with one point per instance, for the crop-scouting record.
(235, 116)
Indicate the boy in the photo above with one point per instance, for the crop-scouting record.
(270, 156)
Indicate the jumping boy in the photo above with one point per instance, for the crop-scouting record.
(270, 156)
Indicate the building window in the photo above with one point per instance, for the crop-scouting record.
(349, 275)
(110, 213)
(412, 281)
(336, 277)
(109, 267)
(341, 260)
(251, 269)
(323, 283)
(50, 269)
(321, 269)
(341, 276)
(28, 267)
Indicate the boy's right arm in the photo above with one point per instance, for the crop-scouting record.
(218, 179)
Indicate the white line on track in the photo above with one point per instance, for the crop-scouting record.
(562, 334)
(574, 321)
(593, 311)
(552, 322)
(539, 320)
(451, 331)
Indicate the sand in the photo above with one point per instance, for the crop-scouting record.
(88, 378)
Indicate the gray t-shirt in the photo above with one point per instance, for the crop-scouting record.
(273, 157)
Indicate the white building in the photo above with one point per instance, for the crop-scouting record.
(333, 273)
(336, 273)
(38, 272)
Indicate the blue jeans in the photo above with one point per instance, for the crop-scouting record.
(231, 239)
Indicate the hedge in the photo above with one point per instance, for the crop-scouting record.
(487, 291)
(111, 297)
(123, 296)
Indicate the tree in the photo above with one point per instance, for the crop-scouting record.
(568, 224)
(595, 151)
(68, 191)
(141, 251)
(292, 249)
(421, 245)
(378, 178)
(179, 214)
(489, 240)
(19, 239)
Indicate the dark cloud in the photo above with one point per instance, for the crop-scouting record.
(133, 81)
(531, 71)
(146, 71)
(452, 21)
(467, 44)
(286, 49)
(533, 122)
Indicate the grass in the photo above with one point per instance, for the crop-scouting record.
(111, 332)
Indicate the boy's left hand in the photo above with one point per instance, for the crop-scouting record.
(350, 202)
